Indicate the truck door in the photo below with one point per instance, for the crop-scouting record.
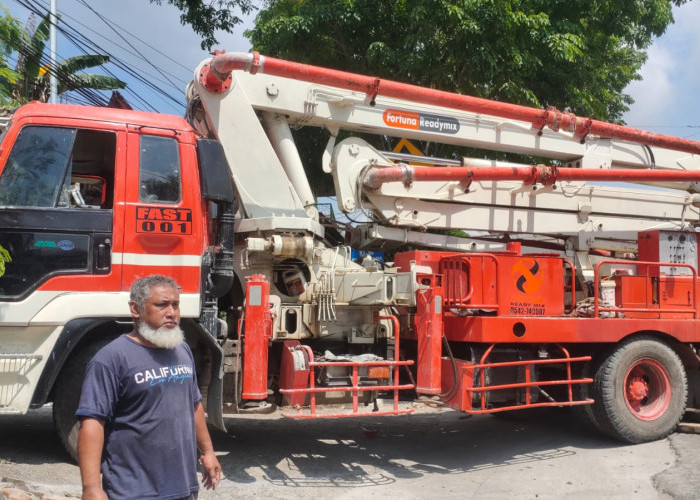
(57, 210)
(163, 227)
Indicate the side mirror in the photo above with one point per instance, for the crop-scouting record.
(214, 171)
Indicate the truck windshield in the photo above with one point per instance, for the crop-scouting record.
(35, 172)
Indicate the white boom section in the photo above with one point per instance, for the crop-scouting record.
(268, 198)
(567, 208)
(508, 206)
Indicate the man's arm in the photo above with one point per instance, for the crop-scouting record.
(212, 468)
(90, 443)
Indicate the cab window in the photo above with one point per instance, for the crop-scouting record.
(35, 172)
(59, 168)
(159, 174)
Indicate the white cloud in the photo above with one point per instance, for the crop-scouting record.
(666, 98)
(654, 92)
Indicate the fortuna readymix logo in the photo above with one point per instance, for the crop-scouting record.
(164, 374)
(420, 121)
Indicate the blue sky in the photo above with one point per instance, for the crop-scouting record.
(666, 98)
(154, 31)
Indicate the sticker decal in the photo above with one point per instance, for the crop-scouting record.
(45, 244)
(159, 220)
(525, 273)
(65, 245)
(527, 308)
(420, 121)
(528, 279)
(4, 257)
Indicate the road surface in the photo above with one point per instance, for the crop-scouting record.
(433, 454)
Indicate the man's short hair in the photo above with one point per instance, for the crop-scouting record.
(141, 288)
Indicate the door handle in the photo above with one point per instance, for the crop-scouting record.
(103, 257)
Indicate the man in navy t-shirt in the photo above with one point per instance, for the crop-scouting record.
(141, 412)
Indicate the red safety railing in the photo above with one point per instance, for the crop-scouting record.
(355, 388)
(458, 286)
(529, 384)
(572, 286)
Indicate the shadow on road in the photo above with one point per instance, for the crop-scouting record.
(333, 453)
(343, 453)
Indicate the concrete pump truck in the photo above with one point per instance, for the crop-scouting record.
(570, 291)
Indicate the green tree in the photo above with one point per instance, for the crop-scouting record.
(34, 74)
(572, 54)
(576, 54)
(11, 34)
(208, 17)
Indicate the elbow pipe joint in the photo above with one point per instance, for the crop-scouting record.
(215, 75)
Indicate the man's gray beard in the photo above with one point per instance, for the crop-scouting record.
(165, 338)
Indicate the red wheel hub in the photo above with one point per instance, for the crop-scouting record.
(647, 389)
(637, 389)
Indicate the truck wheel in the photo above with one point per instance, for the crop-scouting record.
(67, 395)
(640, 391)
(587, 413)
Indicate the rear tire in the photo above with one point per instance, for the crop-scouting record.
(67, 395)
(586, 391)
(640, 391)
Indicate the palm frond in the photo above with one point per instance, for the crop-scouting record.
(78, 63)
(34, 50)
(89, 81)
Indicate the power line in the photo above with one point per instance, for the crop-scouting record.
(665, 126)
(82, 43)
(44, 62)
(138, 75)
(95, 99)
(135, 37)
(126, 41)
(130, 52)
(78, 43)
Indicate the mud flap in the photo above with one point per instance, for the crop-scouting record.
(215, 391)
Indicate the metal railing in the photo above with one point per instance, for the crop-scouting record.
(528, 384)
(355, 388)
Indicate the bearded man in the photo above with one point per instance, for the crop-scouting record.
(141, 412)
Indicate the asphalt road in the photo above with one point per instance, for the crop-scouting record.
(433, 454)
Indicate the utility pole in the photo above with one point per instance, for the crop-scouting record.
(53, 83)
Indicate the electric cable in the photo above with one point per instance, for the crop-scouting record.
(82, 43)
(83, 2)
(64, 15)
(33, 8)
(90, 94)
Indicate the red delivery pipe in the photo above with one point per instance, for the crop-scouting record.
(429, 330)
(258, 326)
(216, 76)
(543, 174)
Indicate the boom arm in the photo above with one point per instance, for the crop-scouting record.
(478, 194)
